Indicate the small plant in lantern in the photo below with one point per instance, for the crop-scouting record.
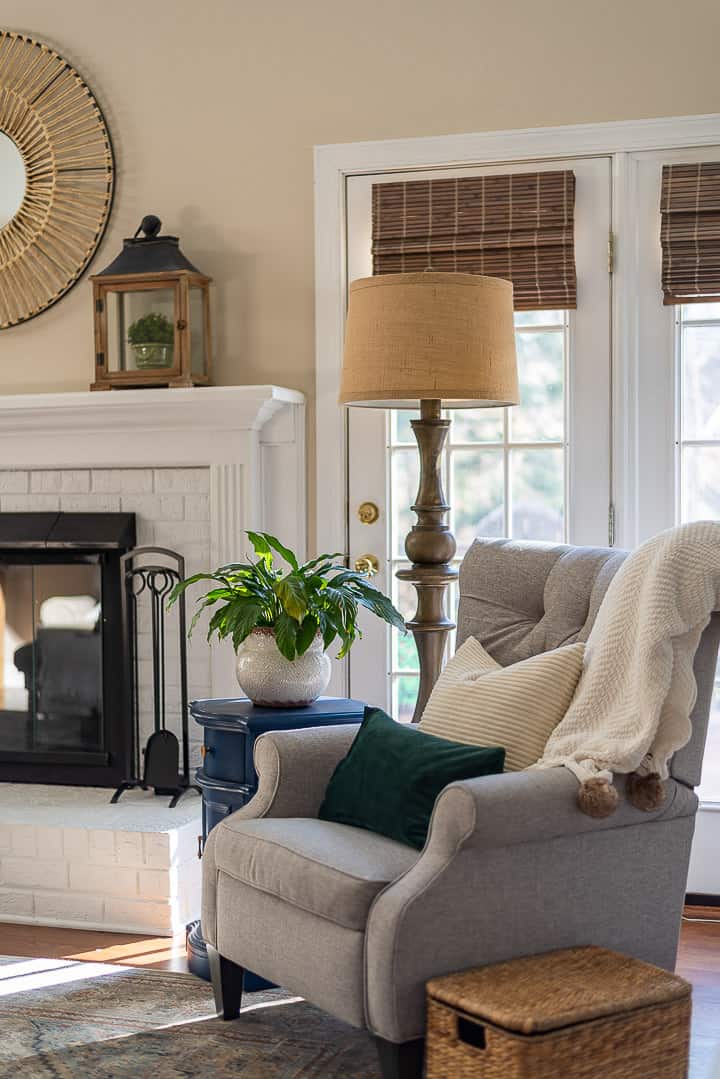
(152, 338)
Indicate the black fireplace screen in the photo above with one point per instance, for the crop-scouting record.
(62, 686)
(51, 697)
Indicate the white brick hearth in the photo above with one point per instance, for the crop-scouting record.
(68, 857)
(198, 467)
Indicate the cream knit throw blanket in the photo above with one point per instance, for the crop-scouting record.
(632, 707)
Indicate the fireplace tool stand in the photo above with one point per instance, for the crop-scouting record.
(160, 769)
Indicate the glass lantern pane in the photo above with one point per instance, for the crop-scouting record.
(198, 343)
(141, 330)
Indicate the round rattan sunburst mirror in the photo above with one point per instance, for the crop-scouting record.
(57, 161)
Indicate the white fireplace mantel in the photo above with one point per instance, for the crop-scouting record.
(251, 438)
(211, 408)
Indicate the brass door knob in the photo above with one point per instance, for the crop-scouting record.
(368, 513)
(367, 563)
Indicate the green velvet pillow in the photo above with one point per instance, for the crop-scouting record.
(392, 774)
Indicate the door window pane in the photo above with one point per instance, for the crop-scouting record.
(700, 381)
(539, 318)
(405, 690)
(476, 425)
(701, 483)
(540, 416)
(537, 494)
(401, 431)
(477, 495)
(404, 480)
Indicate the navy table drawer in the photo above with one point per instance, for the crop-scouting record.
(220, 799)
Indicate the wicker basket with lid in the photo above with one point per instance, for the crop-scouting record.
(581, 1013)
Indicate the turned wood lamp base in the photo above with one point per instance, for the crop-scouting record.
(430, 547)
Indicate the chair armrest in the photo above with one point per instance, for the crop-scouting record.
(512, 867)
(294, 768)
(530, 807)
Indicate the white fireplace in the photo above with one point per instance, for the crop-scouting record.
(197, 467)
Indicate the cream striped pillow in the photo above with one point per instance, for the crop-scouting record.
(480, 703)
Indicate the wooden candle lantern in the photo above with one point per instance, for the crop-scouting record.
(152, 316)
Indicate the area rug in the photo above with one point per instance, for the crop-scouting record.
(61, 1019)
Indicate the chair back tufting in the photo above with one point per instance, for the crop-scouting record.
(519, 598)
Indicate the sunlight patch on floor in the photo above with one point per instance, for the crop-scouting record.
(28, 974)
(137, 953)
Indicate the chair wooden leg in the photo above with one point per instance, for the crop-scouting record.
(403, 1061)
(227, 983)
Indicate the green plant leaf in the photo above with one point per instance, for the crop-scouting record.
(182, 586)
(285, 552)
(290, 591)
(306, 633)
(379, 604)
(261, 547)
(329, 633)
(153, 329)
(320, 558)
(286, 629)
(243, 621)
(202, 604)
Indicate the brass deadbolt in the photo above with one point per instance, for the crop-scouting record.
(367, 563)
(368, 513)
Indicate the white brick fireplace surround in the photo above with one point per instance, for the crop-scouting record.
(197, 467)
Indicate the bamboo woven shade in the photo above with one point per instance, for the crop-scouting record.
(53, 119)
(519, 227)
(690, 233)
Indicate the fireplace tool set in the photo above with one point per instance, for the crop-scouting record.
(147, 585)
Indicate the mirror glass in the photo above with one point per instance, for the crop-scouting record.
(12, 179)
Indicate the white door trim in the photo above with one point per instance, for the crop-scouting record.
(334, 163)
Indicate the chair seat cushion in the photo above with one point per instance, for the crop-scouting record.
(332, 870)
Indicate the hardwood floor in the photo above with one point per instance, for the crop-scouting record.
(698, 961)
(158, 953)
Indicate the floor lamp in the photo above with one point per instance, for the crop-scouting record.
(433, 340)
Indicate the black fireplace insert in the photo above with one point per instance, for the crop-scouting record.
(62, 692)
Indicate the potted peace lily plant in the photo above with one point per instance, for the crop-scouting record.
(282, 619)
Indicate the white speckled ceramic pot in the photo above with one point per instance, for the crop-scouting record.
(267, 678)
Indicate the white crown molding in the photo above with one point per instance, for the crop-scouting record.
(617, 136)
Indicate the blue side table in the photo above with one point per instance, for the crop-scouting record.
(228, 779)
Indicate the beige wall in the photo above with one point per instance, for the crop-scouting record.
(214, 107)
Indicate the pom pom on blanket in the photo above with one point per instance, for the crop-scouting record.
(645, 792)
(597, 797)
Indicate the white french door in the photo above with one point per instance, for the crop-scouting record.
(679, 442)
(541, 470)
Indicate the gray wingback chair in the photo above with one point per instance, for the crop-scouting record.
(357, 923)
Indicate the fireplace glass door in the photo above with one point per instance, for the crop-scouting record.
(51, 692)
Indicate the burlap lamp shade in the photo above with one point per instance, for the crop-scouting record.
(429, 336)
